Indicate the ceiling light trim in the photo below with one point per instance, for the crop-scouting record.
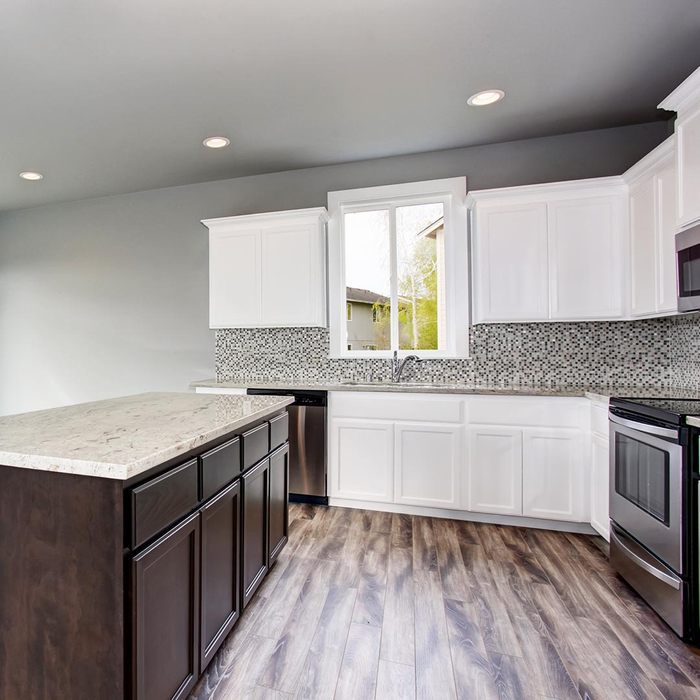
(483, 98)
(216, 142)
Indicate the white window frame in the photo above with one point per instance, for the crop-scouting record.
(452, 193)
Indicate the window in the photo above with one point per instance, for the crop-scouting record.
(398, 256)
(349, 311)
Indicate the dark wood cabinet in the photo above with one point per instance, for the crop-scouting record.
(279, 502)
(255, 499)
(165, 614)
(221, 591)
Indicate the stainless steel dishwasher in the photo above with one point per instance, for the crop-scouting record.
(307, 444)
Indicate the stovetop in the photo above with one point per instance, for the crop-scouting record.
(672, 411)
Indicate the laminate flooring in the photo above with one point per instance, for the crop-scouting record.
(368, 605)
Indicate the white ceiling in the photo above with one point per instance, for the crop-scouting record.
(114, 96)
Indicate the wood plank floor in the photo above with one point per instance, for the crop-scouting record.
(368, 605)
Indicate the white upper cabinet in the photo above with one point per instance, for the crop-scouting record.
(512, 237)
(685, 100)
(643, 248)
(550, 252)
(585, 257)
(268, 270)
(667, 284)
(652, 232)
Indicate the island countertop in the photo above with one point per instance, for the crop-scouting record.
(123, 437)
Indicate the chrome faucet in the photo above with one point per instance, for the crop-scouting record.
(398, 366)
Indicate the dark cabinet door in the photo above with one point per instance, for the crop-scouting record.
(255, 504)
(165, 624)
(221, 580)
(279, 502)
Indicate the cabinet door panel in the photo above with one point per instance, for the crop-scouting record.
(667, 284)
(511, 275)
(255, 535)
(495, 470)
(234, 278)
(553, 474)
(585, 265)
(279, 502)
(221, 594)
(600, 485)
(165, 590)
(428, 458)
(688, 163)
(362, 460)
(643, 247)
(288, 276)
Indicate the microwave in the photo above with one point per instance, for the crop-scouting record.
(688, 259)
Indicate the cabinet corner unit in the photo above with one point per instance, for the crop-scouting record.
(685, 101)
(268, 270)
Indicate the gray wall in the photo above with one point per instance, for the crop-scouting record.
(107, 297)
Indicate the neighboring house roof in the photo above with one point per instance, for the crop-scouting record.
(364, 296)
(431, 230)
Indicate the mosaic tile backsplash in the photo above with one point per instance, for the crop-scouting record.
(654, 353)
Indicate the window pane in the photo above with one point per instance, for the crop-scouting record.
(420, 241)
(368, 280)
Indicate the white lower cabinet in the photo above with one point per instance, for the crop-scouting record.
(553, 474)
(362, 459)
(428, 463)
(507, 456)
(600, 485)
(495, 470)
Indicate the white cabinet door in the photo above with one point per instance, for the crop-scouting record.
(688, 164)
(234, 278)
(289, 270)
(667, 285)
(643, 247)
(427, 469)
(553, 474)
(585, 257)
(511, 253)
(362, 460)
(600, 485)
(495, 470)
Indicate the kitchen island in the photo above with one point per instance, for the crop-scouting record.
(133, 532)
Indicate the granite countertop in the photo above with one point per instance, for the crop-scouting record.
(693, 420)
(121, 438)
(600, 393)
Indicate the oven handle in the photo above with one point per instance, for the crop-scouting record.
(670, 580)
(645, 427)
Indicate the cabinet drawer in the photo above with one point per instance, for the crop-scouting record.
(279, 430)
(220, 466)
(545, 412)
(404, 407)
(158, 503)
(256, 445)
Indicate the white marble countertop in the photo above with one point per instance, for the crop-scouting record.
(121, 438)
(693, 420)
(600, 393)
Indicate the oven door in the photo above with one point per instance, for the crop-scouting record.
(645, 486)
(688, 258)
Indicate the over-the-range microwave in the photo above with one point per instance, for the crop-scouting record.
(688, 259)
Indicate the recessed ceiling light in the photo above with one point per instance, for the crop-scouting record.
(216, 142)
(29, 175)
(486, 97)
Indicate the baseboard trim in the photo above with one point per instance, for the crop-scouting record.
(518, 521)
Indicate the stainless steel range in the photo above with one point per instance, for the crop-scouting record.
(652, 505)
